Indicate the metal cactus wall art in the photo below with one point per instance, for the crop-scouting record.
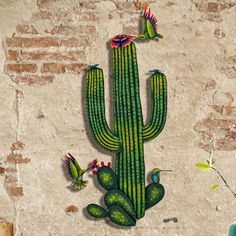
(127, 197)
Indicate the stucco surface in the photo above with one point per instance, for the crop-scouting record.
(45, 120)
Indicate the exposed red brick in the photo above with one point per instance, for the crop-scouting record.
(58, 56)
(34, 80)
(212, 7)
(12, 55)
(33, 42)
(218, 108)
(226, 145)
(2, 170)
(10, 170)
(26, 29)
(17, 158)
(228, 110)
(72, 208)
(77, 68)
(14, 42)
(73, 42)
(219, 123)
(231, 135)
(53, 68)
(15, 191)
(17, 146)
(217, 134)
(19, 68)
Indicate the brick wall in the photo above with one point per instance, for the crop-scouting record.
(42, 107)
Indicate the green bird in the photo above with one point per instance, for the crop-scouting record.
(76, 172)
(150, 29)
(155, 175)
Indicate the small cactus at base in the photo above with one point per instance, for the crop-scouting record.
(97, 211)
(120, 209)
(119, 216)
(153, 194)
(106, 177)
(116, 197)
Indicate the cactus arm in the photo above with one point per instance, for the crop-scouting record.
(159, 106)
(96, 111)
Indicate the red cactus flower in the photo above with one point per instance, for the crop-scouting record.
(93, 164)
(121, 40)
(95, 170)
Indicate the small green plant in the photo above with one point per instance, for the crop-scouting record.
(210, 165)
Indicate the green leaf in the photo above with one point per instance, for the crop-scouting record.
(203, 166)
(214, 186)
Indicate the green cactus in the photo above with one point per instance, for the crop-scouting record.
(129, 130)
(119, 216)
(120, 208)
(116, 197)
(97, 211)
(154, 194)
(107, 178)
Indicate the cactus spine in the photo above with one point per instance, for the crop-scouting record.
(129, 130)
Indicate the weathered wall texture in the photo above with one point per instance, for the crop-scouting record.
(46, 44)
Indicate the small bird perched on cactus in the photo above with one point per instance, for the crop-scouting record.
(155, 175)
(76, 172)
(155, 191)
(150, 29)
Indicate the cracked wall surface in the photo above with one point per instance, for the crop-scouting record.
(45, 46)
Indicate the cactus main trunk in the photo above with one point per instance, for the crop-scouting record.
(128, 126)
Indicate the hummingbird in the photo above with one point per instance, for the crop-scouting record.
(76, 172)
(92, 66)
(150, 29)
(155, 175)
(155, 71)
